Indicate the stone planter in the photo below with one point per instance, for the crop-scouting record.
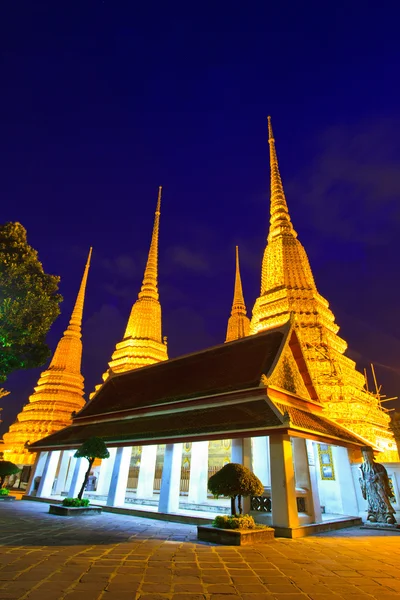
(73, 511)
(235, 537)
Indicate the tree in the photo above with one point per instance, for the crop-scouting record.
(7, 468)
(29, 303)
(235, 481)
(93, 448)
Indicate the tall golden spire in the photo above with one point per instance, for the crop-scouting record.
(238, 323)
(280, 222)
(142, 343)
(58, 393)
(288, 288)
(150, 279)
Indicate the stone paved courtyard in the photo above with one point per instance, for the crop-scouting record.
(116, 557)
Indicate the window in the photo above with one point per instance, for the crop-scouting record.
(326, 462)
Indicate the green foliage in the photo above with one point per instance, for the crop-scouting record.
(7, 468)
(29, 303)
(75, 502)
(94, 447)
(235, 480)
(234, 522)
(4, 492)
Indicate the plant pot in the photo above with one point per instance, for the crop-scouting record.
(235, 537)
(73, 511)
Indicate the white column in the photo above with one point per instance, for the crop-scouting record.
(312, 455)
(80, 468)
(283, 489)
(242, 455)
(302, 473)
(37, 470)
(49, 473)
(145, 486)
(345, 481)
(70, 473)
(237, 451)
(119, 477)
(171, 479)
(261, 466)
(62, 472)
(198, 473)
(106, 468)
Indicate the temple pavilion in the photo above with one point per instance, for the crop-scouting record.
(280, 396)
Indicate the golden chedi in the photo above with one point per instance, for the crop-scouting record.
(59, 391)
(238, 323)
(142, 343)
(288, 288)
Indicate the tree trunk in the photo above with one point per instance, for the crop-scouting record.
(1, 482)
(233, 507)
(91, 461)
(240, 509)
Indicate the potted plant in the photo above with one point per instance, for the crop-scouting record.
(235, 481)
(6, 468)
(93, 448)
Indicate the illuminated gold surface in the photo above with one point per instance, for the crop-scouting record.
(142, 343)
(288, 287)
(58, 393)
(238, 323)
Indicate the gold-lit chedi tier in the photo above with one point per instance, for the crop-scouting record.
(142, 343)
(59, 391)
(288, 288)
(238, 323)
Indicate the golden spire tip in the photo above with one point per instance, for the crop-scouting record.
(270, 132)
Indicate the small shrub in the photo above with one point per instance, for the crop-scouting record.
(75, 502)
(235, 481)
(4, 492)
(236, 522)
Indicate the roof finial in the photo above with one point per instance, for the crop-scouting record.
(150, 280)
(280, 222)
(75, 323)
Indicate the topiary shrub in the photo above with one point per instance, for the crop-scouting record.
(7, 468)
(235, 481)
(236, 522)
(93, 448)
(4, 492)
(75, 502)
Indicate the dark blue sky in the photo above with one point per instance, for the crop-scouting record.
(101, 102)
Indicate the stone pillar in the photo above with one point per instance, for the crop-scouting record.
(49, 473)
(171, 479)
(145, 486)
(106, 468)
(283, 489)
(62, 472)
(242, 454)
(302, 473)
(70, 473)
(313, 462)
(198, 473)
(80, 468)
(237, 451)
(37, 471)
(119, 477)
(345, 480)
(261, 466)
